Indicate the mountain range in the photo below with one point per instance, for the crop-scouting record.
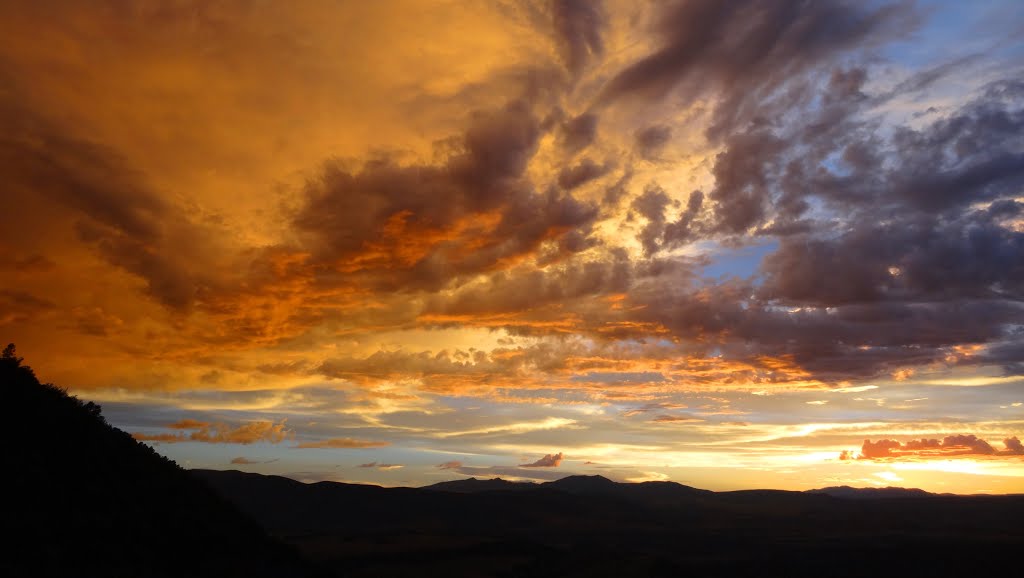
(593, 526)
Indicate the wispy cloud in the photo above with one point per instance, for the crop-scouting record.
(514, 428)
(217, 433)
(341, 443)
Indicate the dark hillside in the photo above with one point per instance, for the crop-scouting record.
(85, 499)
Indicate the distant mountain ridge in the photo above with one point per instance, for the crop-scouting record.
(851, 493)
(474, 485)
(592, 526)
(600, 485)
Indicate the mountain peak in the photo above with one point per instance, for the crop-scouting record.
(471, 485)
(849, 492)
(582, 483)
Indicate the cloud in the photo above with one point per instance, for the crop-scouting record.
(218, 433)
(648, 477)
(452, 465)
(579, 132)
(19, 306)
(108, 202)
(513, 428)
(675, 419)
(579, 26)
(382, 467)
(1014, 446)
(244, 461)
(189, 423)
(548, 461)
(650, 140)
(342, 443)
(29, 264)
(747, 48)
(649, 407)
(587, 170)
(925, 448)
(390, 226)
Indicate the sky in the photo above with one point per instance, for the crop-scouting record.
(731, 244)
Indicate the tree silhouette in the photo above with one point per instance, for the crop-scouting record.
(9, 353)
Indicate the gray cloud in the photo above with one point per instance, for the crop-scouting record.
(748, 50)
(579, 27)
(650, 140)
(477, 205)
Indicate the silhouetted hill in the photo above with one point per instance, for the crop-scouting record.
(592, 526)
(86, 499)
(471, 485)
(871, 493)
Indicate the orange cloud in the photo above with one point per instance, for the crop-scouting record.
(924, 448)
(548, 461)
(217, 433)
(452, 465)
(675, 419)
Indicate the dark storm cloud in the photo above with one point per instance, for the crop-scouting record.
(424, 226)
(579, 25)
(1009, 353)
(579, 132)
(651, 140)
(448, 369)
(651, 205)
(747, 49)
(10, 262)
(895, 245)
(832, 344)
(582, 173)
(909, 259)
(113, 208)
(921, 246)
(20, 306)
(969, 156)
(520, 290)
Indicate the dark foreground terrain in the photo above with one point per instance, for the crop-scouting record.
(82, 498)
(85, 499)
(590, 526)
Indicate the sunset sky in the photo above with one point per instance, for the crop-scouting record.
(732, 244)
